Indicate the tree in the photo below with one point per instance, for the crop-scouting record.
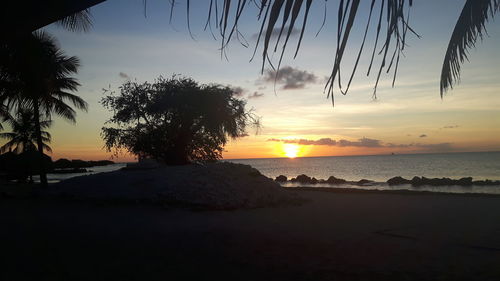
(22, 141)
(175, 120)
(23, 137)
(36, 75)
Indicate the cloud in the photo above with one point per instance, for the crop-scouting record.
(255, 95)
(423, 136)
(238, 91)
(276, 32)
(363, 142)
(449, 127)
(290, 78)
(124, 75)
(366, 142)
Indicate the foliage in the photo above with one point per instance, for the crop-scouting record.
(36, 75)
(36, 71)
(469, 27)
(23, 137)
(175, 120)
(392, 26)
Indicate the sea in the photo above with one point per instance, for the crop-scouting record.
(378, 168)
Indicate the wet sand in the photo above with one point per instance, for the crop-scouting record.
(336, 236)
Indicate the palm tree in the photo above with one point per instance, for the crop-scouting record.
(23, 136)
(37, 76)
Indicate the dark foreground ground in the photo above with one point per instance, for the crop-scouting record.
(336, 236)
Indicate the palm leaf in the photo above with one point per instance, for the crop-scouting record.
(81, 21)
(469, 27)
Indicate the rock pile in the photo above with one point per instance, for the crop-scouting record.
(420, 181)
(214, 186)
(305, 179)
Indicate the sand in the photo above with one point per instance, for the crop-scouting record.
(336, 236)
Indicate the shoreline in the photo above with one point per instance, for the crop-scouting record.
(361, 190)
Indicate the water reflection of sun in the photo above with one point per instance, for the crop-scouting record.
(291, 150)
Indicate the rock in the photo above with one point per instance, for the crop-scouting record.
(397, 181)
(486, 183)
(364, 182)
(334, 180)
(303, 179)
(281, 178)
(416, 181)
(465, 181)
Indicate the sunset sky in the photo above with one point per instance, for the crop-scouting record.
(409, 118)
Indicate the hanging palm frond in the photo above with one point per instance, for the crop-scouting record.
(81, 21)
(294, 16)
(469, 27)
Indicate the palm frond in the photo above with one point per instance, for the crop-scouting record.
(47, 148)
(294, 15)
(57, 106)
(81, 21)
(469, 27)
(75, 100)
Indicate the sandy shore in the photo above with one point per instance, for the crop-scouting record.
(336, 236)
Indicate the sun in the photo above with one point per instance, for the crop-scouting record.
(291, 150)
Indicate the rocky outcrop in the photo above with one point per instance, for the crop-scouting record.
(334, 180)
(212, 186)
(304, 179)
(364, 182)
(398, 181)
(421, 181)
(281, 178)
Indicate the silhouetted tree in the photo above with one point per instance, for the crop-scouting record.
(35, 74)
(22, 141)
(176, 120)
(23, 137)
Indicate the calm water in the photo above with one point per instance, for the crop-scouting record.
(53, 178)
(479, 165)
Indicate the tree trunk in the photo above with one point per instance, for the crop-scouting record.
(38, 132)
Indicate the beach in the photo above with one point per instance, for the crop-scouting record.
(334, 236)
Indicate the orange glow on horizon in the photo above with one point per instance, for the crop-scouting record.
(291, 150)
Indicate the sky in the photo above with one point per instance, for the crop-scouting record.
(130, 42)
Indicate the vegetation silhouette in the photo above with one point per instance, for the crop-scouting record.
(36, 75)
(23, 137)
(390, 18)
(176, 120)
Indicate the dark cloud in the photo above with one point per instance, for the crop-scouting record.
(366, 142)
(124, 75)
(423, 136)
(255, 95)
(291, 78)
(238, 91)
(450, 127)
(276, 32)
